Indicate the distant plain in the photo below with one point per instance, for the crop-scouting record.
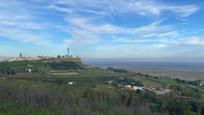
(182, 70)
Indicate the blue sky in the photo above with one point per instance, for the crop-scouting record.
(134, 29)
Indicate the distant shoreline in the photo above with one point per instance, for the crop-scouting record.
(182, 70)
(169, 73)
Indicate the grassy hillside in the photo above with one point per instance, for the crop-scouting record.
(38, 66)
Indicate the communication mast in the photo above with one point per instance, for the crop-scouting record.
(68, 54)
(20, 55)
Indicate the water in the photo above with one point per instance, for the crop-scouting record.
(145, 64)
(185, 70)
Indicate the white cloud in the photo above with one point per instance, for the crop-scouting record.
(161, 46)
(82, 15)
(165, 34)
(195, 41)
(141, 7)
(155, 26)
(156, 8)
(21, 25)
(186, 10)
(85, 31)
(19, 22)
(85, 23)
(23, 36)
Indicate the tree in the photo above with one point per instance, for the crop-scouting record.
(58, 56)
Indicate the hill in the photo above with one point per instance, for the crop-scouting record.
(43, 66)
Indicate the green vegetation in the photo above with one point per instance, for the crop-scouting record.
(20, 66)
(93, 91)
(9, 68)
(117, 70)
(65, 65)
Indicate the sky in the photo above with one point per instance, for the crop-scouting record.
(114, 29)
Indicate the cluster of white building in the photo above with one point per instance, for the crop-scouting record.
(134, 88)
(158, 91)
(10, 59)
(127, 86)
(22, 58)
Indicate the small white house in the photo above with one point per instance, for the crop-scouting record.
(120, 86)
(110, 82)
(127, 86)
(29, 70)
(201, 83)
(135, 88)
(71, 83)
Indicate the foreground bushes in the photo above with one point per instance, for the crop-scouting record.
(21, 96)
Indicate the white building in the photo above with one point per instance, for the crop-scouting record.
(71, 83)
(162, 91)
(135, 88)
(128, 86)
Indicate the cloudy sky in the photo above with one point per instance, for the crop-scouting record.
(137, 29)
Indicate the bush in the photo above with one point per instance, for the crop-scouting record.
(64, 65)
(117, 70)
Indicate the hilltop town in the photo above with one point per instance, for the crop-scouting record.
(66, 57)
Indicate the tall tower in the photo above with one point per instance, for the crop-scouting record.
(68, 54)
(20, 55)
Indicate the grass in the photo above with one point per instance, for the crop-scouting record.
(13, 108)
(147, 83)
(95, 73)
(51, 96)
